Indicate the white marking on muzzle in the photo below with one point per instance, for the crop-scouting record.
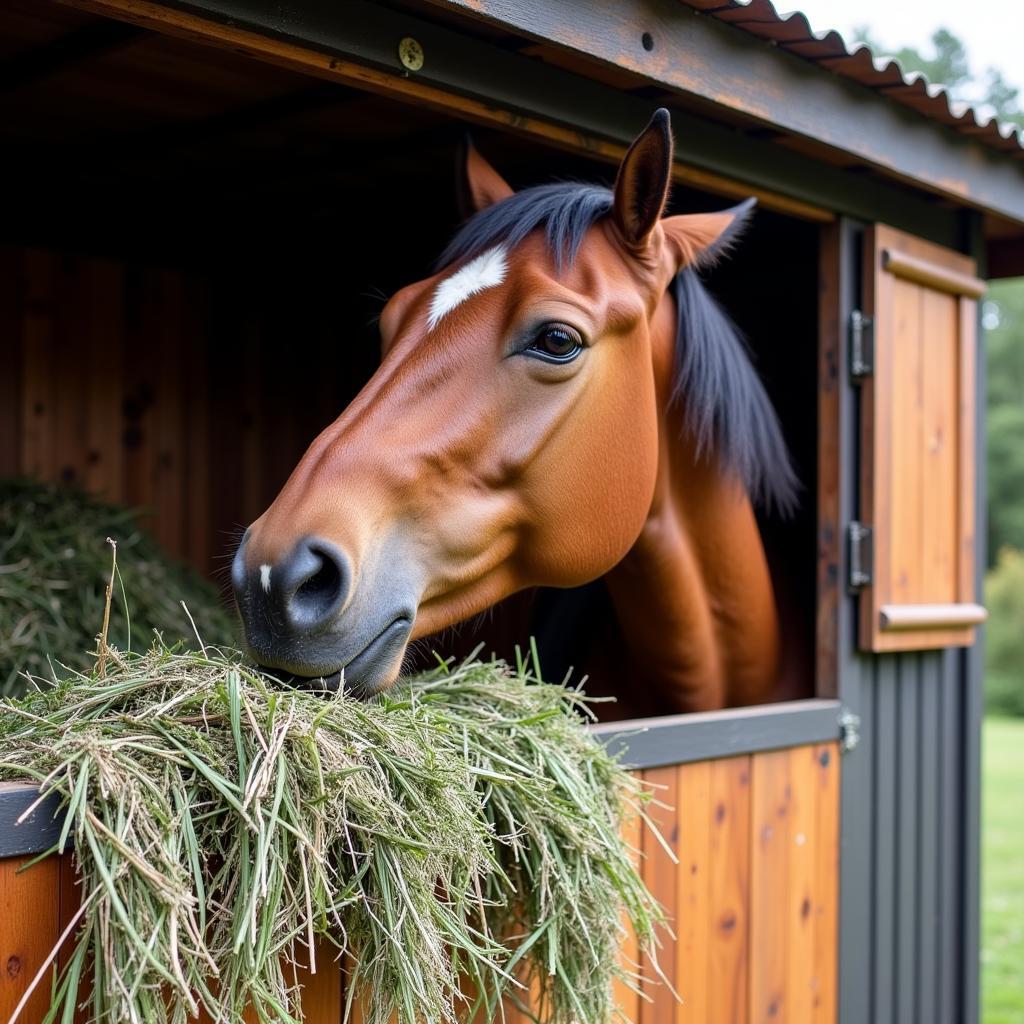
(265, 578)
(486, 271)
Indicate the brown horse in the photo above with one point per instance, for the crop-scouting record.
(562, 401)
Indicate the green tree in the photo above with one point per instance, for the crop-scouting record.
(1004, 342)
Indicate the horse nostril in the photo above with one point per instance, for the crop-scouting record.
(325, 582)
(312, 582)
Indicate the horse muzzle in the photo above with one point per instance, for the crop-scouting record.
(303, 618)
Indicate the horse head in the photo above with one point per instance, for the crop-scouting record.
(509, 439)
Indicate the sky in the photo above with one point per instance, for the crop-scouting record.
(993, 30)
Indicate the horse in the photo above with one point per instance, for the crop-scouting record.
(561, 401)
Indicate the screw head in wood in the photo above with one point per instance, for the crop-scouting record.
(410, 53)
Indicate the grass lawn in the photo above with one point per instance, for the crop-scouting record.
(1002, 841)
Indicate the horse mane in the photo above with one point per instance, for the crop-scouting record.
(725, 404)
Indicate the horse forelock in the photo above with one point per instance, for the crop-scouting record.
(725, 403)
(565, 211)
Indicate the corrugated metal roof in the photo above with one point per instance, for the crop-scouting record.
(793, 32)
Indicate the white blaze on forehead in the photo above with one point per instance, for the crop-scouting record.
(265, 578)
(486, 271)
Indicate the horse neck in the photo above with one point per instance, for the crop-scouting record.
(693, 596)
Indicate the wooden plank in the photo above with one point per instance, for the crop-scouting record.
(729, 913)
(770, 848)
(168, 466)
(103, 377)
(661, 876)
(935, 276)
(939, 447)
(29, 914)
(196, 340)
(906, 442)
(803, 896)
(826, 870)
(139, 362)
(11, 290)
(896, 617)
(967, 412)
(37, 366)
(626, 997)
(70, 303)
(693, 908)
(322, 992)
(70, 901)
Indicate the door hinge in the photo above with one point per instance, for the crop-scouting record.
(862, 345)
(861, 555)
(849, 730)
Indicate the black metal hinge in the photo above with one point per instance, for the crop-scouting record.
(862, 345)
(861, 555)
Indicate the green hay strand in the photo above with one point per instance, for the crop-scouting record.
(54, 566)
(456, 841)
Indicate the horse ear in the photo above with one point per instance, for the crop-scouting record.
(479, 185)
(641, 186)
(700, 239)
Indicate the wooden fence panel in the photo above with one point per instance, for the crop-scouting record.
(750, 887)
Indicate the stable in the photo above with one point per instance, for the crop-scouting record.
(214, 198)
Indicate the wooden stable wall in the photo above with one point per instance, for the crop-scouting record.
(188, 393)
(752, 893)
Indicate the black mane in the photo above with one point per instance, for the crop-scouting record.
(725, 404)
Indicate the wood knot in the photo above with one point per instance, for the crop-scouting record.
(719, 813)
(13, 966)
(774, 1006)
(805, 908)
(727, 921)
(824, 759)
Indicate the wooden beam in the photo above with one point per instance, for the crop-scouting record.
(482, 83)
(932, 275)
(701, 57)
(89, 41)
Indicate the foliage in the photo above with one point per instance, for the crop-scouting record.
(464, 823)
(1004, 340)
(1004, 649)
(1002, 878)
(54, 568)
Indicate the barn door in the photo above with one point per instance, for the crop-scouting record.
(914, 352)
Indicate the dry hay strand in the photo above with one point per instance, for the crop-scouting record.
(54, 567)
(460, 833)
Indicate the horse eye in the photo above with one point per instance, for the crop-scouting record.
(556, 343)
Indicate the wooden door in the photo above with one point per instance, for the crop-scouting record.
(917, 444)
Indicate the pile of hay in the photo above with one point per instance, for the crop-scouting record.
(54, 566)
(458, 834)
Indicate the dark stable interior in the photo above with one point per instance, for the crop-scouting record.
(284, 210)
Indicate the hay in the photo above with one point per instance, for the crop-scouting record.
(54, 565)
(463, 825)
